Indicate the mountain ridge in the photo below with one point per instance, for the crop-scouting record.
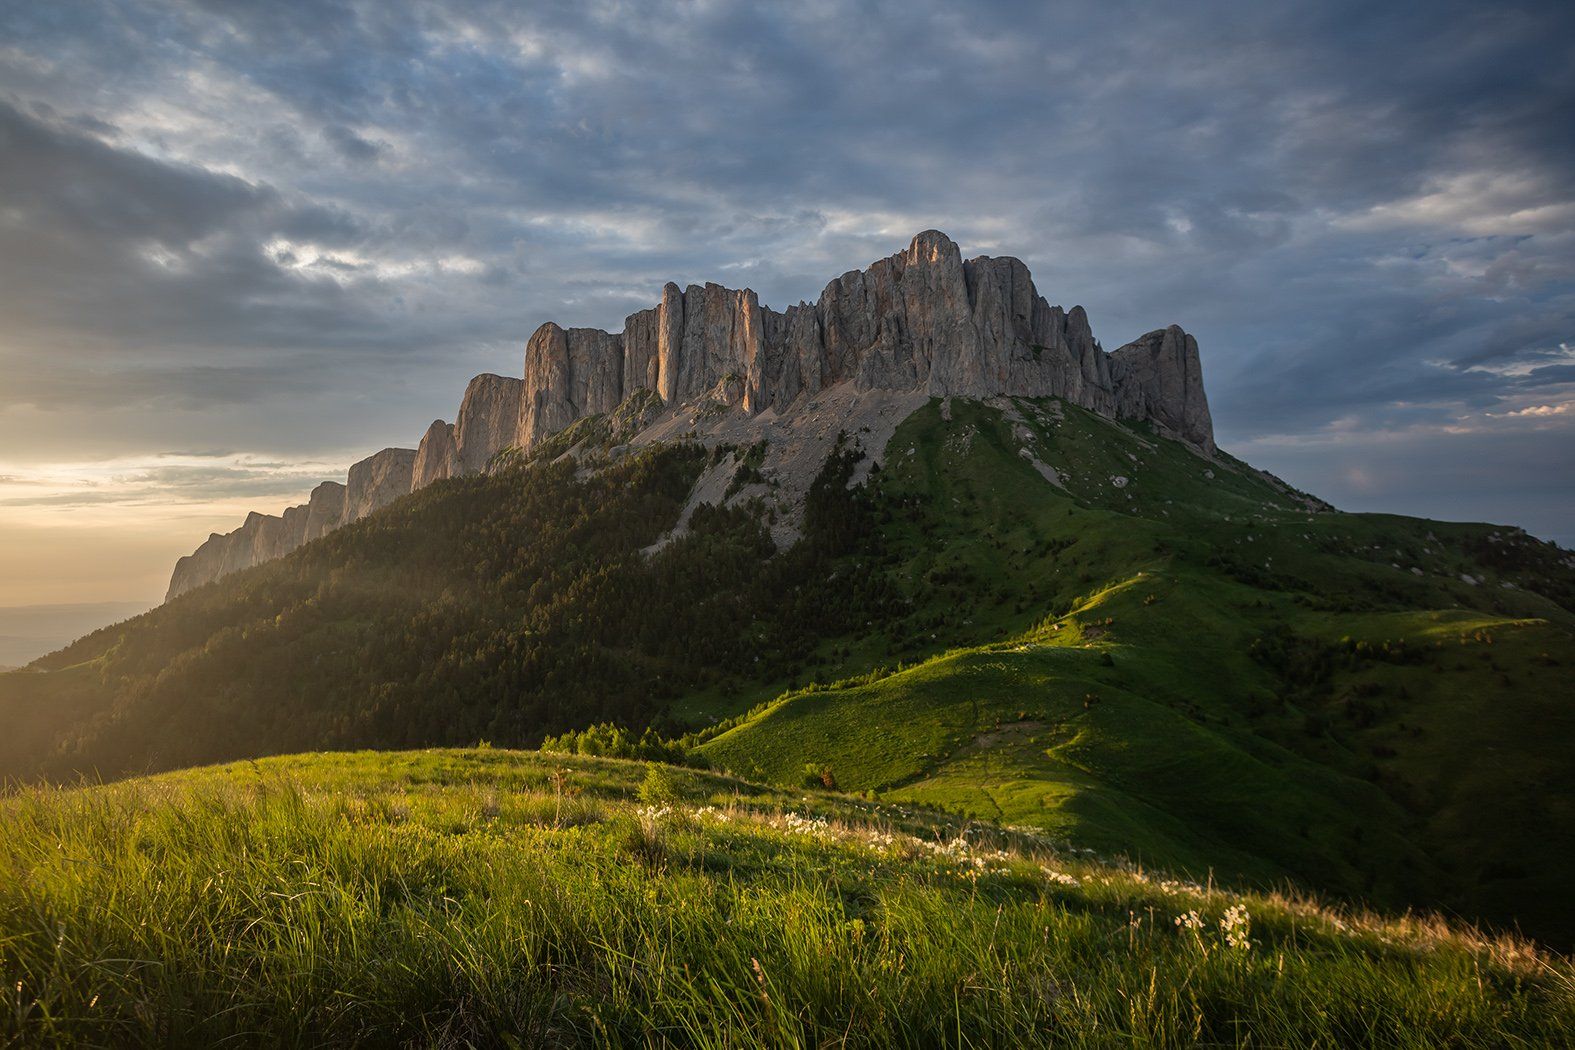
(922, 320)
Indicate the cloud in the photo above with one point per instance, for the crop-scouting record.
(1544, 411)
(290, 228)
(162, 480)
(352, 146)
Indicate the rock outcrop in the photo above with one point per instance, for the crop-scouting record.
(378, 480)
(261, 538)
(488, 420)
(1158, 377)
(436, 456)
(569, 373)
(325, 510)
(922, 321)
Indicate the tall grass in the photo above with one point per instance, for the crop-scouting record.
(445, 900)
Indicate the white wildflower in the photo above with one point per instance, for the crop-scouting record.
(813, 827)
(1235, 926)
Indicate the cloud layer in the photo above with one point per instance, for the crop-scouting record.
(294, 230)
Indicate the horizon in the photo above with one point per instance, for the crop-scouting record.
(263, 244)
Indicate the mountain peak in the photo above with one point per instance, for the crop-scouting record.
(932, 244)
(920, 323)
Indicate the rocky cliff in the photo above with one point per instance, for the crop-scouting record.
(922, 322)
(488, 420)
(436, 456)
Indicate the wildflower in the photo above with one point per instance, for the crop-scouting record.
(1190, 921)
(1060, 878)
(814, 827)
(881, 840)
(1235, 926)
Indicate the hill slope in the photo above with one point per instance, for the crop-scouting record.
(498, 606)
(488, 898)
(1104, 635)
(1243, 686)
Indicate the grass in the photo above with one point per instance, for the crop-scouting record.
(1408, 746)
(492, 898)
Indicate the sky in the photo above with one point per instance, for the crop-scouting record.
(243, 245)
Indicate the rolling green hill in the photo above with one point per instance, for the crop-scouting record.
(498, 899)
(1243, 687)
(1029, 614)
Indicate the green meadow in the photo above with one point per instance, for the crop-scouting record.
(497, 898)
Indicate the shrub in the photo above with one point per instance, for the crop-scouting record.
(661, 786)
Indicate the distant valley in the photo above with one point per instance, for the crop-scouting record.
(30, 631)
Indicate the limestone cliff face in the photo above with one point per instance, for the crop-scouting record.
(922, 321)
(207, 562)
(436, 456)
(325, 510)
(1158, 377)
(569, 373)
(263, 537)
(488, 420)
(378, 480)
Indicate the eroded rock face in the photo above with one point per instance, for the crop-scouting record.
(1158, 377)
(325, 510)
(262, 537)
(378, 480)
(569, 374)
(922, 321)
(200, 566)
(436, 457)
(488, 420)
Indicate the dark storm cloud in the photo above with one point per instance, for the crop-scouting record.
(1365, 212)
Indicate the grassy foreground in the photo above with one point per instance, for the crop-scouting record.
(496, 898)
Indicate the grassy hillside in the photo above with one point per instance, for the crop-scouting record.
(1244, 686)
(1035, 615)
(491, 898)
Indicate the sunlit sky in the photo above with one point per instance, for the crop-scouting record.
(244, 244)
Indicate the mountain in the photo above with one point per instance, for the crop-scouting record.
(922, 321)
(1056, 605)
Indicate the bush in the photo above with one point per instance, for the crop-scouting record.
(661, 786)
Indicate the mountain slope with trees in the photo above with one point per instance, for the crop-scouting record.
(1036, 615)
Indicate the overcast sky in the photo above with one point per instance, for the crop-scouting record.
(243, 244)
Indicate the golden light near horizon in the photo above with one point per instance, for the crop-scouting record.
(110, 530)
